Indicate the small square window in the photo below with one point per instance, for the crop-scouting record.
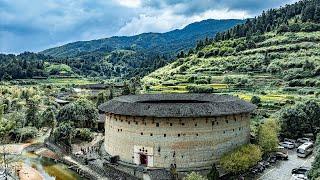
(196, 124)
(227, 121)
(178, 135)
(170, 124)
(157, 124)
(165, 135)
(182, 124)
(151, 134)
(141, 133)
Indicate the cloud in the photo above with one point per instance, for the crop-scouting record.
(168, 20)
(191, 7)
(129, 3)
(36, 25)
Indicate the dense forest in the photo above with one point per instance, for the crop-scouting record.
(283, 19)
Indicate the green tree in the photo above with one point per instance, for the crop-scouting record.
(6, 77)
(300, 119)
(32, 114)
(241, 159)
(317, 14)
(101, 98)
(308, 13)
(64, 133)
(1, 111)
(83, 113)
(312, 110)
(314, 172)
(49, 117)
(126, 89)
(214, 173)
(268, 136)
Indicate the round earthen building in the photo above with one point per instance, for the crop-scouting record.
(182, 130)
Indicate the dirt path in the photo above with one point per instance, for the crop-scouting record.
(28, 173)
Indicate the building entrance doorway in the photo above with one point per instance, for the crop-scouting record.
(143, 159)
(143, 156)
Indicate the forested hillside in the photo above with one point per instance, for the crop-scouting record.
(116, 57)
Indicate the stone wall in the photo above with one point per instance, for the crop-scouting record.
(184, 142)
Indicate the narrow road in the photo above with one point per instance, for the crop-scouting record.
(282, 170)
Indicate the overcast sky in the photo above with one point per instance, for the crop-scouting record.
(34, 25)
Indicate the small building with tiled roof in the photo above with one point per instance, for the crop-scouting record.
(186, 131)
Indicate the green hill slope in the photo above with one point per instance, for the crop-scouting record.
(279, 64)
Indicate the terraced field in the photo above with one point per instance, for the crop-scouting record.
(280, 69)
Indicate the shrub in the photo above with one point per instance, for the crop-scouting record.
(294, 27)
(202, 81)
(194, 176)
(283, 28)
(309, 27)
(199, 89)
(274, 68)
(191, 79)
(83, 134)
(296, 82)
(26, 133)
(241, 159)
(255, 100)
(200, 54)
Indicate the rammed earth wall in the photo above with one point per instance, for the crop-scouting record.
(183, 142)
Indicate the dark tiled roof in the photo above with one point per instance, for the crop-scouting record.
(177, 105)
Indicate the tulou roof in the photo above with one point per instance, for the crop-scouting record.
(177, 105)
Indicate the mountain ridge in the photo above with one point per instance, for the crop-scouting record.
(141, 42)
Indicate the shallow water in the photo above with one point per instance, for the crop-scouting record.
(49, 169)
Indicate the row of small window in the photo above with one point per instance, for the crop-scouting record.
(158, 124)
(233, 130)
(165, 135)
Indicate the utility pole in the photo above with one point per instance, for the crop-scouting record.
(5, 163)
